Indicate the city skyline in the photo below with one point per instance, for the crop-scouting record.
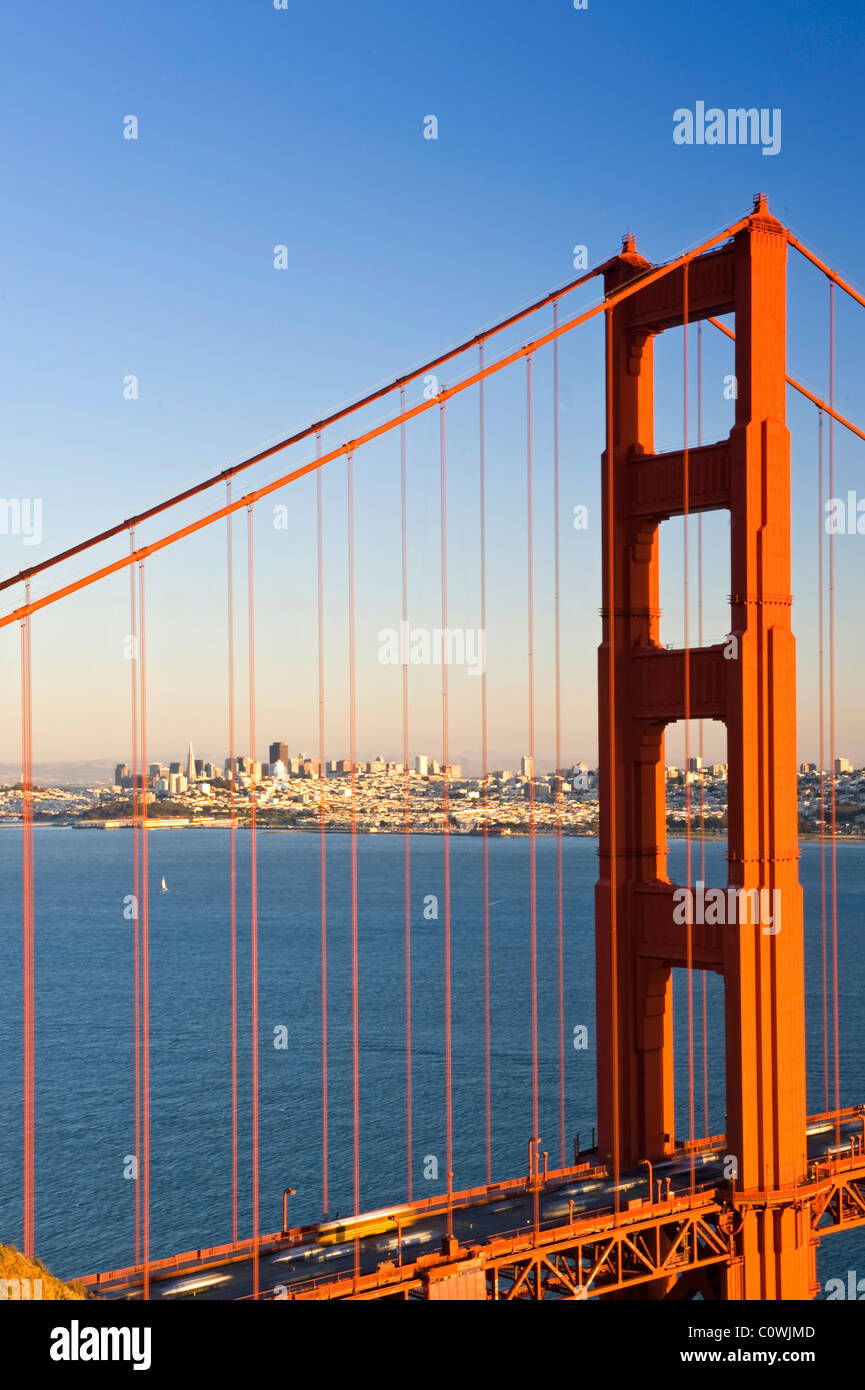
(423, 764)
(382, 797)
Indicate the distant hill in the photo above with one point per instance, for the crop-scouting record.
(92, 773)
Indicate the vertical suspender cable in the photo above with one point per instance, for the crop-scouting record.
(558, 678)
(834, 782)
(28, 976)
(446, 848)
(145, 948)
(488, 1101)
(533, 895)
(406, 798)
(136, 893)
(611, 755)
(352, 703)
(821, 754)
(232, 860)
(703, 973)
(253, 900)
(322, 822)
(686, 481)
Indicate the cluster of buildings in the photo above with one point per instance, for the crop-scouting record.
(822, 796)
(379, 795)
(168, 779)
(374, 795)
(697, 794)
(282, 767)
(63, 805)
(173, 779)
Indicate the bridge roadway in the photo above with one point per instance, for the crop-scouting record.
(326, 1251)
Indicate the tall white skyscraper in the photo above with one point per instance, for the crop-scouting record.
(421, 764)
(190, 764)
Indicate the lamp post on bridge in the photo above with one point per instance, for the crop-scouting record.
(534, 1161)
(647, 1163)
(289, 1192)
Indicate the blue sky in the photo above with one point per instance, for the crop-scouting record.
(304, 127)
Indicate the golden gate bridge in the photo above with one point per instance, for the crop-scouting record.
(694, 1224)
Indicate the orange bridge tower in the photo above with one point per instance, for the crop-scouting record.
(748, 684)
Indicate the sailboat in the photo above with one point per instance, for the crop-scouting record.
(164, 886)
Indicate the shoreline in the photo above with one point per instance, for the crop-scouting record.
(806, 837)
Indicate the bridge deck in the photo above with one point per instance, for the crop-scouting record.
(562, 1231)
